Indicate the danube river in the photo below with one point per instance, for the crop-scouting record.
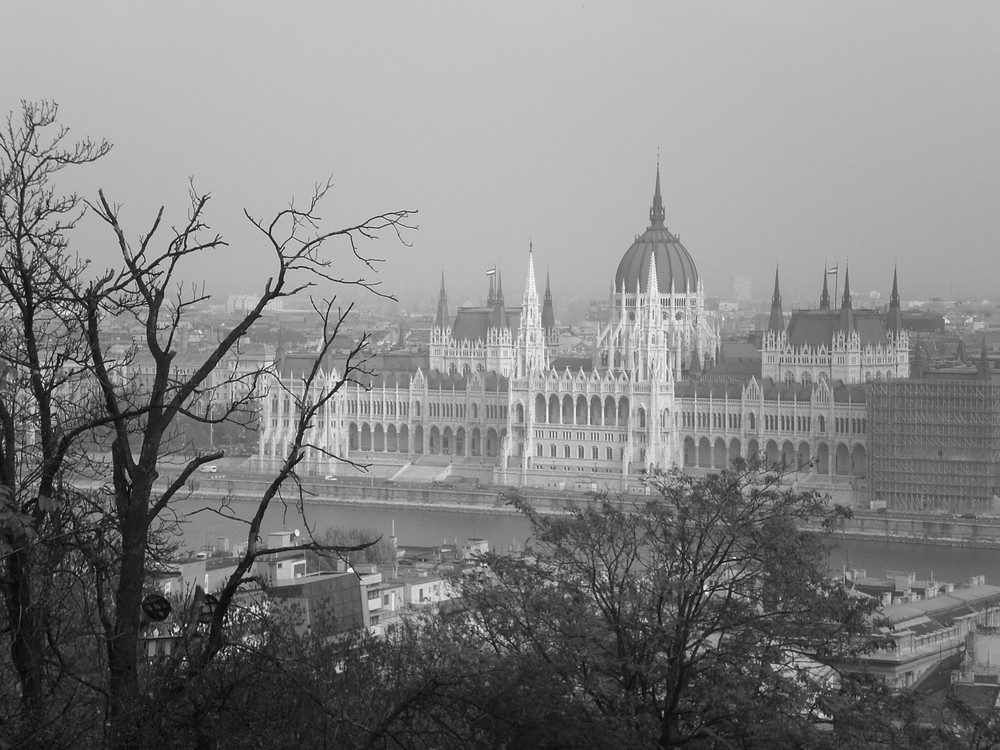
(420, 527)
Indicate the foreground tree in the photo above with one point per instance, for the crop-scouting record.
(703, 617)
(65, 390)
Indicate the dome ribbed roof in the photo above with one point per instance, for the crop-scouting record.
(675, 270)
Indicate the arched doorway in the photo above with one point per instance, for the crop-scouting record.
(690, 456)
(719, 457)
(804, 457)
(704, 453)
(843, 460)
(773, 457)
(859, 461)
(823, 459)
(734, 450)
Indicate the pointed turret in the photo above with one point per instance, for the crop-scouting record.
(441, 319)
(653, 280)
(894, 320)
(548, 314)
(776, 323)
(824, 298)
(530, 287)
(695, 369)
(656, 212)
(531, 355)
(846, 311)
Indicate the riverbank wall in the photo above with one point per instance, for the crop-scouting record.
(472, 498)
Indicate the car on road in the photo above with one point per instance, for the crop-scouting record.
(210, 469)
(330, 478)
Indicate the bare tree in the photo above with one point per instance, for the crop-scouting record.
(42, 361)
(58, 313)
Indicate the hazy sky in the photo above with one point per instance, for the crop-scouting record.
(788, 132)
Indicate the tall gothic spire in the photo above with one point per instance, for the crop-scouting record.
(531, 351)
(894, 320)
(548, 314)
(776, 323)
(530, 287)
(499, 318)
(652, 279)
(824, 298)
(656, 212)
(441, 320)
(846, 311)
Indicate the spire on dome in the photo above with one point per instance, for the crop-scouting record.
(656, 212)
(441, 320)
(824, 298)
(776, 323)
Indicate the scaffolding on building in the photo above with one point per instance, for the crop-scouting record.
(934, 445)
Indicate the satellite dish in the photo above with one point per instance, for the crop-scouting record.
(296, 534)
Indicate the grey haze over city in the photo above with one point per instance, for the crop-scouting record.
(790, 133)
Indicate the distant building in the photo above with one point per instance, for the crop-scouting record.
(929, 630)
(742, 288)
(243, 303)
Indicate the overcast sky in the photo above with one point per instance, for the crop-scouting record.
(788, 132)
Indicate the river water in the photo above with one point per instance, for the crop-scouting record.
(420, 527)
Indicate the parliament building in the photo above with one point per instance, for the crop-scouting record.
(493, 396)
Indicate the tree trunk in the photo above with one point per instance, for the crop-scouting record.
(123, 657)
(27, 645)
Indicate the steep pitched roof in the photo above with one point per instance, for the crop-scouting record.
(473, 323)
(817, 327)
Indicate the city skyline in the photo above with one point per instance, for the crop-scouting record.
(786, 134)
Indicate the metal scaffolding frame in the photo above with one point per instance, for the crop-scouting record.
(934, 445)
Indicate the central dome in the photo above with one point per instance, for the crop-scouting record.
(675, 270)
